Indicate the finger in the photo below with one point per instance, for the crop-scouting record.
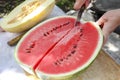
(87, 2)
(1, 30)
(101, 21)
(78, 4)
(105, 34)
(107, 29)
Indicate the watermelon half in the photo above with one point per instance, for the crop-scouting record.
(27, 15)
(57, 49)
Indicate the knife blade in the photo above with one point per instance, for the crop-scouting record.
(80, 14)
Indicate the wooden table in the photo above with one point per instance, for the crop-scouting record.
(103, 68)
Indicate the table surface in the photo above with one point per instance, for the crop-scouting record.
(103, 68)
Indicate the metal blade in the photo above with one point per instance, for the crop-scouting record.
(80, 14)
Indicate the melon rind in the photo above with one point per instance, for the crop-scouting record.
(71, 74)
(30, 20)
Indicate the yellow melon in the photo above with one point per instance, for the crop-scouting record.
(26, 15)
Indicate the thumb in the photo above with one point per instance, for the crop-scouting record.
(78, 4)
(101, 21)
(107, 29)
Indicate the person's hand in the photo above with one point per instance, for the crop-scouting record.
(1, 30)
(109, 21)
(79, 3)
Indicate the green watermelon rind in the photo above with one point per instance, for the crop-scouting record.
(87, 64)
(24, 66)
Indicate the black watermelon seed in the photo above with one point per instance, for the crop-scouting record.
(44, 34)
(32, 45)
(61, 59)
(60, 26)
(58, 62)
(81, 30)
(66, 24)
(73, 51)
(55, 63)
(81, 35)
(51, 30)
(66, 58)
(48, 33)
(69, 55)
(28, 51)
(55, 28)
(75, 46)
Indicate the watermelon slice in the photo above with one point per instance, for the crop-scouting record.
(27, 15)
(57, 49)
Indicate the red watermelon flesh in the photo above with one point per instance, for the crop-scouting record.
(73, 53)
(37, 43)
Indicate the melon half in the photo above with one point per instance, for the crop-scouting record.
(57, 49)
(27, 15)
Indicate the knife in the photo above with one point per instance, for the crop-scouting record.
(80, 14)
